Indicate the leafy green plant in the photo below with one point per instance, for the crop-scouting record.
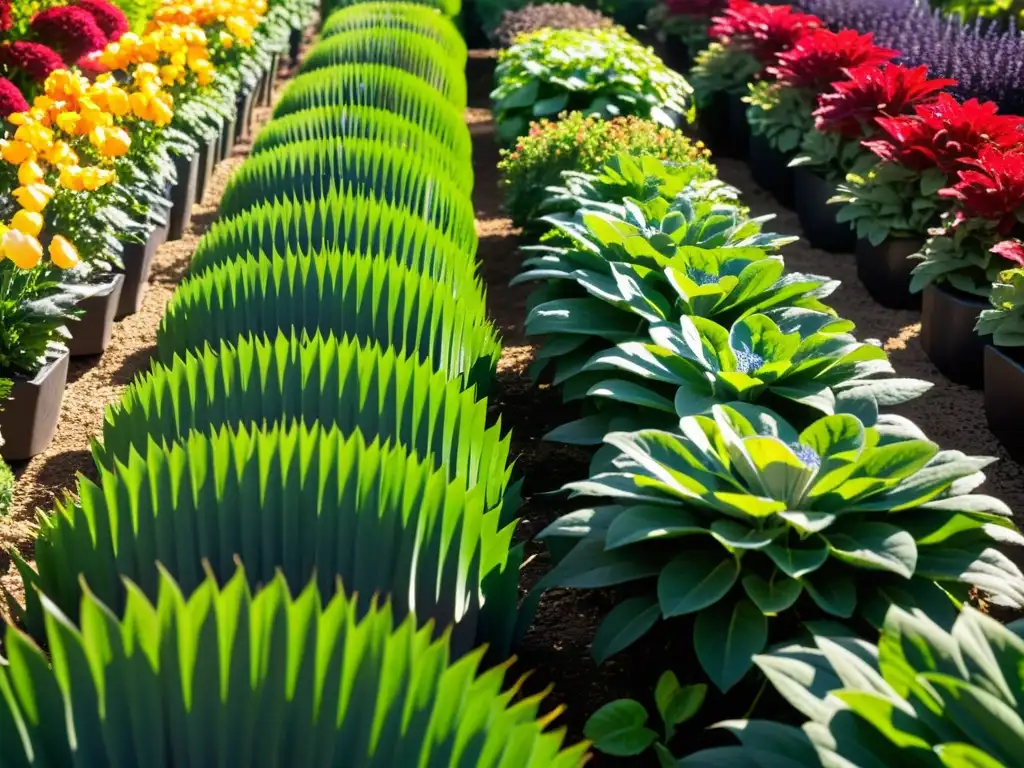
(419, 18)
(439, 317)
(890, 201)
(925, 695)
(960, 255)
(721, 69)
(402, 48)
(307, 501)
(690, 29)
(35, 308)
(783, 116)
(1005, 321)
(739, 517)
(357, 222)
(600, 71)
(575, 143)
(227, 677)
(619, 728)
(450, 8)
(384, 87)
(6, 487)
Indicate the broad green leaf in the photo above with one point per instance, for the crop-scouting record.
(726, 638)
(773, 596)
(878, 546)
(694, 580)
(618, 728)
(626, 623)
(677, 704)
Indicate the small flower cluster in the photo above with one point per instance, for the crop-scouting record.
(180, 53)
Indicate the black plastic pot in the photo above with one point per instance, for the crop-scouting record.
(675, 54)
(138, 262)
(770, 169)
(294, 44)
(948, 318)
(739, 128)
(243, 112)
(885, 271)
(270, 82)
(29, 419)
(91, 334)
(227, 138)
(183, 195)
(207, 162)
(1004, 382)
(817, 218)
(714, 123)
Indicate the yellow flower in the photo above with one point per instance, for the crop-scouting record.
(27, 222)
(117, 102)
(37, 136)
(68, 122)
(171, 74)
(227, 42)
(17, 152)
(33, 197)
(93, 178)
(63, 253)
(61, 154)
(29, 172)
(71, 178)
(111, 142)
(24, 250)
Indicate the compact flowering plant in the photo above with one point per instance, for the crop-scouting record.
(747, 37)
(782, 105)
(71, 31)
(687, 20)
(1004, 322)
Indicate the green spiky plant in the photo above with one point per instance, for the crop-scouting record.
(926, 695)
(357, 222)
(451, 8)
(441, 319)
(312, 169)
(401, 48)
(740, 518)
(321, 380)
(344, 123)
(309, 502)
(225, 677)
(411, 16)
(375, 85)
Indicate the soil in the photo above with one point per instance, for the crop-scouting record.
(94, 383)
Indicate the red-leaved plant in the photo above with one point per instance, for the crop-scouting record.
(762, 30)
(991, 188)
(821, 57)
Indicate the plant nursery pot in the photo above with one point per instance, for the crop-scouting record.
(739, 128)
(948, 318)
(227, 138)
(885, 271)
(270, 82)
(183, 195)
(243, 112)
(1004, 382)
(91, 334)
(207, 162)
(294, 44)
(675, 53)
(138, 262)
(817, 218)
(29, 420)
(714, 123)
(770, 169)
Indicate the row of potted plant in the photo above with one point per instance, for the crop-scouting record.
(301, 531)
(110, 137)
(881, 158)
(749, 483)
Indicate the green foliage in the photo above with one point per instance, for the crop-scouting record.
(227, 678)
(1001, 10)
(781, 115)
(739, 517)
(581, 144)
(401, 48)
(450, 8)
(924, 695)
(366, 85)
(961, 257)
(890, 201)
(439, 317)
(138, 12)
(6, 486)
(415, 17)
(35, 308)
(598, 71)
(718, 69)
(832, 156)
(692, 31)
(619, 728)
(1005, 321)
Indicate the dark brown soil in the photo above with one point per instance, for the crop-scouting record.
(95, 383)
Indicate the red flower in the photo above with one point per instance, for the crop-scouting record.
(73, 32)
(5, 15)
(1012, 250)
(872, 92)
(35, 60)
(108, 17)
(992, 188)
(764, 30)
(945, 133)
(702, 8)
(821, 56)
(11, 99)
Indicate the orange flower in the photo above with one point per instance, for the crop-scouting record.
(110, 141)
(24, 250)
(27, 222)
(63, 253)
(71, 178)
(33, 197)
(17, 152)
(29, 172)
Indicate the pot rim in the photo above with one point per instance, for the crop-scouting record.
(43, 372)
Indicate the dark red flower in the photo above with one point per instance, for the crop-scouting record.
(945, 133)
(108, 17)
(763, 30)
(700, 8)
(871, 92)
(991, 188)
(72, 31)
(1011, 250)
(821, 57)
(34, 60)
(11, 98)
(5, 15)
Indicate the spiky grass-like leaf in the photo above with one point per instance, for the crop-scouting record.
(374, 85)
(357, 222)
(440, 318)
(404, 49)
(343, 123)
(450, 8)
(225, 677)
(312, 169)
(415, 17)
